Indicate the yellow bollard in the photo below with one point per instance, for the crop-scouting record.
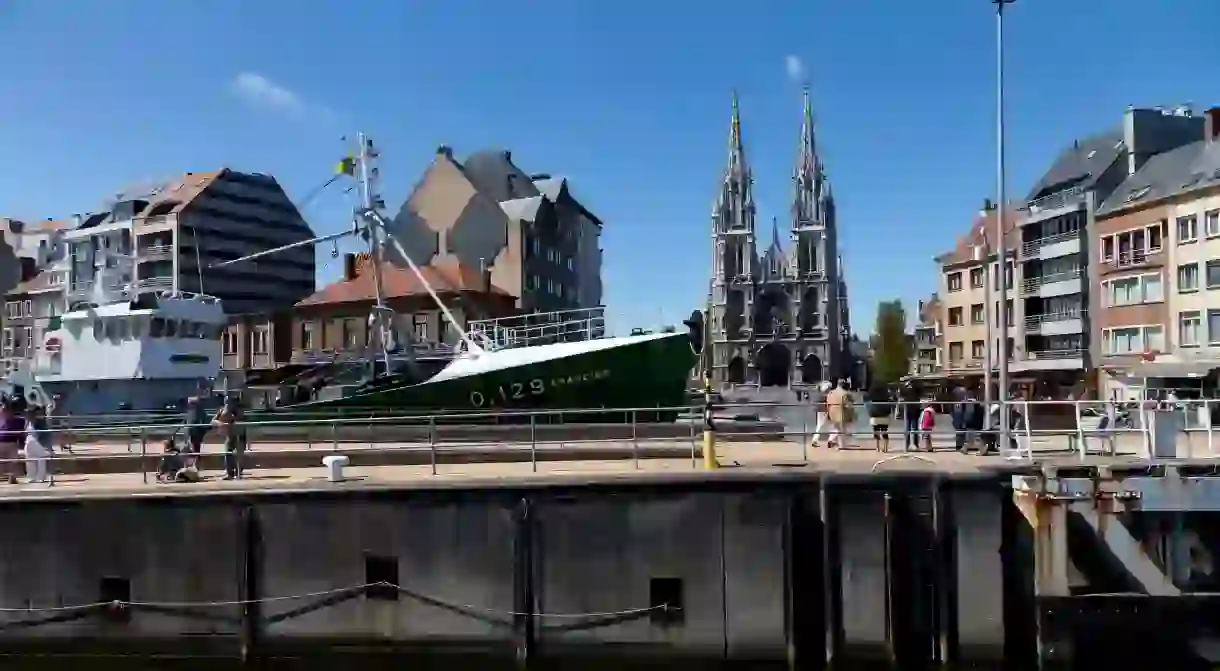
(709, 450)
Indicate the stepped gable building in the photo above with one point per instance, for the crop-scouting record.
(778, 317)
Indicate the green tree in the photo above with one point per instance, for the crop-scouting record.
(891, 348)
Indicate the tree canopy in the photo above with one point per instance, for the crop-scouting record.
(891, 348)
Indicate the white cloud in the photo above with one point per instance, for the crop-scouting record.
(259, 91)
(795, 67)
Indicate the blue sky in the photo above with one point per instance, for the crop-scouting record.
(630, 99)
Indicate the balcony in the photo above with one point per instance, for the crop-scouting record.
(965, 365)
(1050, 359)
(155, 252)
(1055, 284)
(1134, 258)
(158, 223)
(1052, 246)
(1056, 323)
(155, 284)
(1072, 197)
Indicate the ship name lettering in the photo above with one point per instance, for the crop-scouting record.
(582, 377)
(511, 391)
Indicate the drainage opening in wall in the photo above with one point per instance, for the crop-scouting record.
(665, 600)
(381, 569)
(113, 589)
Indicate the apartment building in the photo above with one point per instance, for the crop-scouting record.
(168, 236)
(970, 293)
(31, 309)
(540, 243)
(1158, 254)
(927, 348)
(1059, 275)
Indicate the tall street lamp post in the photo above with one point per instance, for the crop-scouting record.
(1002, 256)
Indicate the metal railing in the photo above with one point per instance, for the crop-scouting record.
(155, 251)
(1032, 284)
(1135, 257)
(541, 328)
(1034, 321)
(1039, 431)
(1056, 200)
(1047, 354)
(155, 283)
(1031, 247)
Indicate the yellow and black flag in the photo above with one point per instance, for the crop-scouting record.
(347, 166)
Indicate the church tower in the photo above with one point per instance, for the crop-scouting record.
(735, 257)
(776, 317)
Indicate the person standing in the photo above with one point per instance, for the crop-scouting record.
(197, 427)
(909, 406)
(880, 407)
(12, 433)
(229, 419)
(37, 444)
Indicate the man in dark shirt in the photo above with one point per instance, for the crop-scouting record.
(910, 408)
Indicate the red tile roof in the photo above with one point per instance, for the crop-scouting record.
(39, 282)
(446, 275)
(982, 232)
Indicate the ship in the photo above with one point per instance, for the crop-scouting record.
(498, 366)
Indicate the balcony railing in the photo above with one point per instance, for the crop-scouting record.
(155, 284)
(965, 364)
(1031, 284)
(1031, 247)
(156, 251)
(157, 220)
(1033, 321)
(1056, 200)
(1135, 257)
(1053, 354)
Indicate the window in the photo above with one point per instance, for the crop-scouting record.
(955, 281)
(8, 338)
(351, 333)
(1107, 248)
(1188, 328)
(307, 337)
(1134, 290)
(976, 349)
(976, 277)
(976, 314)
(1211, 223)
(569, 262)
(995, 275)
(1213, 274)
(1188, 278)
(955, 351)
(1188, 229)
(955, 316)
(230, 342)
(1213, 327)
(419, 327)
(27, 308)
(259, 341)
(29, 337)
(1133, 339)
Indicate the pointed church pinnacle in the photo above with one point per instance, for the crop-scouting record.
(775, 232)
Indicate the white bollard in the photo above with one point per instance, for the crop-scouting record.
(334, 466)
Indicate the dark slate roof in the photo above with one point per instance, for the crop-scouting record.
(1080, 164)
(1170, 173)
(493, 173)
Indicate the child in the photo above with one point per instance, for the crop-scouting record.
(927, 420)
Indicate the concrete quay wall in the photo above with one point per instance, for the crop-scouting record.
(776, 571)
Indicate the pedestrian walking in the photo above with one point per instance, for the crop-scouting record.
(37, 444)
(927, 422)
(821, 426)
(841, 409)
(197, 427)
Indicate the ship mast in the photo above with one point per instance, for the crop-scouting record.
(369, 224)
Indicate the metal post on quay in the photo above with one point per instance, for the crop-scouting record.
(709, 429)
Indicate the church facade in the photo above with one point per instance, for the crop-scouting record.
(778, 317)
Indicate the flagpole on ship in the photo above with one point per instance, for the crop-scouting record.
(370, 224)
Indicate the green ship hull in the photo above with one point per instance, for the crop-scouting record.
(645, 371)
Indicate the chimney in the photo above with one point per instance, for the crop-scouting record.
(1211, 124)
(76, 220)
(445, 150)
(508, 156)
(987, 208)
(349, 266)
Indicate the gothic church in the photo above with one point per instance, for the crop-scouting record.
(780, 317)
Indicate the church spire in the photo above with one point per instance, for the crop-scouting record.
(808, 177)
(734, 208)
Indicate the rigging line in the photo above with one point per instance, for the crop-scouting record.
(326, 593)
(317, 191)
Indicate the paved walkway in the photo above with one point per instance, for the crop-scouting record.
(736, 458)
